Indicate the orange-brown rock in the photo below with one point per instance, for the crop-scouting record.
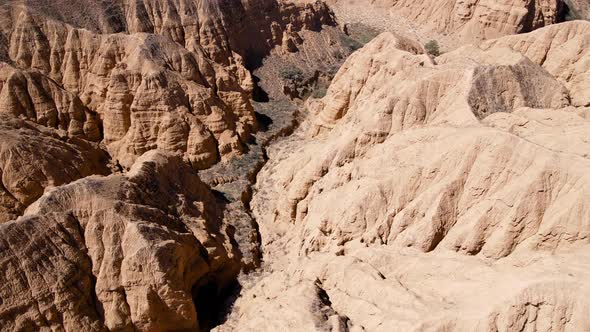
(174, 81)
(123, 252)
(138, 84)
(34, 158)
(454, 21)
(163, 87)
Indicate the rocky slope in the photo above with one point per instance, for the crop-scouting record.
(173, 79)
(562, 50)
(432, 195)
(28, 157)
(420, 194)
(125, 252)
(453, 22)
(149, 91)
(176, 81)
(152, 92)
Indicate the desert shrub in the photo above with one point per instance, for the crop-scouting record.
(292, 74)
(432, 48)
(319, 92)
(362, 33)
(350, 43)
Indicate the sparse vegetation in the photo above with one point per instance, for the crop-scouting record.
(319, 92)
(292, 74)
(350, 43)
(362, 33)
(432, 48)
(358, 35)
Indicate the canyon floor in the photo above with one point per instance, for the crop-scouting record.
(273, 165)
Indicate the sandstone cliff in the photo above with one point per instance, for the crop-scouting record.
(33, 158)
(154, 91)
(141, 251)
(175, 81)
(431, 195)
(453, 22)
(173, 78)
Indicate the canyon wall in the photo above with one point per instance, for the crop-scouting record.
(432, 194)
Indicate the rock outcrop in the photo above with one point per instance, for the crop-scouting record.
(563, 50)
(467, 20)
(36, 97)
(423, 194)
(153, 90)
(175, 80)
(141, 251)
(148, 91)
(34, 158)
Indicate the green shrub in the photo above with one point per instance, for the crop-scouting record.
(363, 33)
(292, 74)
(432, 48)
(350, 43)
(319, 92)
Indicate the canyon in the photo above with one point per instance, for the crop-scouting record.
(274, 165)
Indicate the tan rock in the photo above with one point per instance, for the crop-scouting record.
(429, 196)
(453, 22)
(29, 159)
(122, 252)
(36, 97)
(563, 50)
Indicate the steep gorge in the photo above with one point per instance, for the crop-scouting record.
(150, 246)
(420, 193)
(431, 195)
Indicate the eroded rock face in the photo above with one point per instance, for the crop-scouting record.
(148, 91)
(33, 158)
(473, 20)
(36, 97)
(563, 50)
(123, 252)
(430, 196)
(251, 28)
(175, 81)
(151, 247)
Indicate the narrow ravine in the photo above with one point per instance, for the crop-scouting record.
(234, 182)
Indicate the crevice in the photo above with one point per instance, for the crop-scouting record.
(95, 302)
(213, 301)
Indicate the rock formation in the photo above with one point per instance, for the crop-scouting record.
(563, 50)
(148, 91)
(33, 158)
(437, 195)
(153, 91)
(175, 81)
(123, 252)
(421, 193)
(466, 21)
